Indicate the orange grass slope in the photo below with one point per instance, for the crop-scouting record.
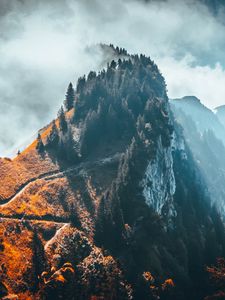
(16, 253)
(26, 166)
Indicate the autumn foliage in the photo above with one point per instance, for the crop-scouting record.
(217, 279)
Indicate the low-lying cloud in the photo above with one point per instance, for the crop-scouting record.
(44, 45)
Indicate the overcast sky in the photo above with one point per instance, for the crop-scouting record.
(46, 44)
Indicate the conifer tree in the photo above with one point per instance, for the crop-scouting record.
(70, 97)
(38, 260)
(74, 217)
(40, 146)
(81, 83)
(62, 120)
(113, 64)
(53, 138)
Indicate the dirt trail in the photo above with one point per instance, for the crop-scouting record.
(55, 236)
(57, 174)
(80, 169)
(34, 219)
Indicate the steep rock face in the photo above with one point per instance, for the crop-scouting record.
(159, 182)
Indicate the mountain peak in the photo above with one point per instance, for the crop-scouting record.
(188, 99)
(202, 115)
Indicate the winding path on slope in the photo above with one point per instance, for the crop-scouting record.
(25, 185)
(55, 236)
(31, 219)
(52, 239)
(50, 176)
(57, 174)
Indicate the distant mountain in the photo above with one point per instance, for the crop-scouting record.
(204, 118)
(109, 202)
(220, 113)
(205, 134)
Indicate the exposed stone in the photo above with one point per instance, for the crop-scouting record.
(159, 182)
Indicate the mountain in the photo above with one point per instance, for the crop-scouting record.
(203, 117)
(108, 202)
(205, 134)
(220, 113)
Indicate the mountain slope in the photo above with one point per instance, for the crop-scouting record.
(220, 113)
(109, 202)
(203, 117)
(204, 134)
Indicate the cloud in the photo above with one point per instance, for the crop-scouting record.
(44, 45)
(204, 82)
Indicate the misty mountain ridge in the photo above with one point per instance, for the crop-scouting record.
(204, 118)
(204, 132)
(110, 201)
(220, 112)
